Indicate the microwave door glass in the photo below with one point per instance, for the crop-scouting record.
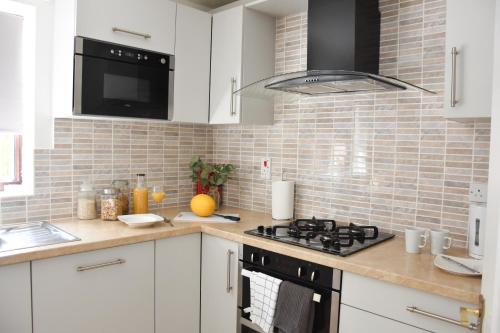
(115, 88)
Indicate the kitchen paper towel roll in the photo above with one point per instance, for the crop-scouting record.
(283, 200)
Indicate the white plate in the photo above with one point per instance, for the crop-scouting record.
(453, 268)
(140, 220)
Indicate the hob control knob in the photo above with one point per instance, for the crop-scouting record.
(260, 229)
(254, 257)
(301, 271)
(315, 276)
(265, 260)
(269, 231)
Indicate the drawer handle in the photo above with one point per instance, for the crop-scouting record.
(462, 323)
(104, 264)
(130, 32)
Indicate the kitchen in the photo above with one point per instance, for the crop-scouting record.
(394, 126)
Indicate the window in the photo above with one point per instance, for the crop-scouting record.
(17, 97)
(11, 161)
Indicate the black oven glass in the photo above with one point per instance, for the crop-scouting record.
(122, 82)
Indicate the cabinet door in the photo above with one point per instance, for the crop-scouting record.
(104, 291)
(469, 29)
(192, 65)
(353, 320)
(177, 284)
(219, 289)
(227, 39)
(15, 298)
(156, 18)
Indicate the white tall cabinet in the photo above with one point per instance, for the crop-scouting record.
(469, 70)
(177, 284)
(219, 285)
(104, 291)
(15, 298)
(242, 53)
(192, 65)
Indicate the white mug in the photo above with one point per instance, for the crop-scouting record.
(440, 241)
(415, 239)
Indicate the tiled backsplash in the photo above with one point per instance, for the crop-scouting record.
(387, 159)
(103, 150)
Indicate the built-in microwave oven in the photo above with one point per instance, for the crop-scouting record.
(120, 81)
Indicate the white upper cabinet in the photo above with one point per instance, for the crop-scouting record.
(468, 83)
(192, 65)
(15, 298)
(242, 53)
(146, 24)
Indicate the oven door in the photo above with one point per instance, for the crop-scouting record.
(108, 87)
(326, 311)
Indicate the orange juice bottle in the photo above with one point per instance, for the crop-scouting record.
(141, 195)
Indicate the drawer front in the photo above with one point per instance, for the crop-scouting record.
(353, 320)
(109, 290)
(390, 300)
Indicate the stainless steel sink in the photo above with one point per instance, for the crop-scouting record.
(23, 236)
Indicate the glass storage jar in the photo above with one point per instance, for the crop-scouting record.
(110, 206)
(86, 204)
(122, 191)
(141, 195)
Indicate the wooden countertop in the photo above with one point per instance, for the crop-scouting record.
(387, 261)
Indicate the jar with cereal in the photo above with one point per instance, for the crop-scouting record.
(110, 205)
(122, 192)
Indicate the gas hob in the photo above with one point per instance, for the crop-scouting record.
(324, 235)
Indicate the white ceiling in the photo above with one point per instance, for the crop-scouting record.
(211, 3)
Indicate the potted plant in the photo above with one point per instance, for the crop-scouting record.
(210, 178)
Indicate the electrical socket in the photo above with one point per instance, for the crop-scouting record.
(478, 192)
(265, 168)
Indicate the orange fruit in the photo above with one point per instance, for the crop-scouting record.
(203, 205)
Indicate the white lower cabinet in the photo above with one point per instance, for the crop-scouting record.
(15, 298)
(177, 284)
(385, 304)
(353, 320)
(104, 291)
(219, 289)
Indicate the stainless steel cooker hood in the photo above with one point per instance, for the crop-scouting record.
(343, 53)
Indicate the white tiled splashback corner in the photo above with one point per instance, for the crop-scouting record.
(387, 159)
(104, 150)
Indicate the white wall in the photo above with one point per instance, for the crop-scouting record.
(491, 277)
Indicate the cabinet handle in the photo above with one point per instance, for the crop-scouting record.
(232, 111)
(104, 264)
(130, 32)
(229, 287)
(464, 322)
(454, 53)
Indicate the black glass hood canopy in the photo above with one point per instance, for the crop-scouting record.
(343, 51)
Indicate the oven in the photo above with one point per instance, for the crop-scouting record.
(325, 281)
(120, 81)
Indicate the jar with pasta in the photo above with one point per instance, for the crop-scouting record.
(86, 205)
(110, 205)
(122, 192)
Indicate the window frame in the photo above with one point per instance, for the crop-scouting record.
(18, 163)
